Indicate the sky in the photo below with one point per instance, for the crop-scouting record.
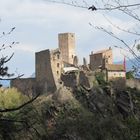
(38, 24)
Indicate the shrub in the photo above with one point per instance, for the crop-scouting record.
(11, 98)
(100, 77)
(130, 75)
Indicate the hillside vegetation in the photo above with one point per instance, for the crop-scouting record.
(99, 113)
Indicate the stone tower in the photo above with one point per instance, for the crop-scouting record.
(67, 46)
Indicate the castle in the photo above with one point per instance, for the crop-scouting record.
(50, 65)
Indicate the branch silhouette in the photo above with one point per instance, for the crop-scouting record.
(19, 107)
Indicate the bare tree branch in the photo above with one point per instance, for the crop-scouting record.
(86, 6)
(119, 7)
(8, 33)
(11, 121)
(122, 41)
(19, 76)
(73, 3)
(122, 29)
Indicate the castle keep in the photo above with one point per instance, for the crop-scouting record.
(54, 67)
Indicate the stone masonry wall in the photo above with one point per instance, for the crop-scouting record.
(96, 60)
(25, 85)
(44, 75)
(57, 66)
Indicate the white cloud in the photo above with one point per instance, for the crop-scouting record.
(25, 48)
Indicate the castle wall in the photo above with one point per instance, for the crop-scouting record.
(44, 75)
(57, 66)
(25, 85)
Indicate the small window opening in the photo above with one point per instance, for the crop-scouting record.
(106, 61)
(58, 56)
(58, 65)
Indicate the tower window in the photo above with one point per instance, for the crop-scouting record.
(58, 56)
(58, 65)
(57, 72)
(72, 56)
